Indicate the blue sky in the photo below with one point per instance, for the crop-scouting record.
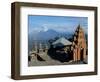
(58, 23)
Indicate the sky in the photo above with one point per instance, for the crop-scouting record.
(37, 23)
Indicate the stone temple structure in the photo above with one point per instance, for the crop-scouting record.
(79, 45)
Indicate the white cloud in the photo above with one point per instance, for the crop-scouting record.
(62, 27)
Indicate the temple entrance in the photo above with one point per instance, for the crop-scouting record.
(81, 53)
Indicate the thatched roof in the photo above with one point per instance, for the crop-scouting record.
(62, 41)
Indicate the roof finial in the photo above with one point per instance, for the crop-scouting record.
(79, 26)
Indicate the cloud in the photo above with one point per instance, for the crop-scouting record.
(61, 27)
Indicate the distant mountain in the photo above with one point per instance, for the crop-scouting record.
(47, 35)
(50, 34)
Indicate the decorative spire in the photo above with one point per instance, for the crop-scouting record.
(78, 27)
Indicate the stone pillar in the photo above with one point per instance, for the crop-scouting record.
(78, 53)
(35, 47)
(46, 48)
(84, 54)
(40, 48)
(75, 54)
